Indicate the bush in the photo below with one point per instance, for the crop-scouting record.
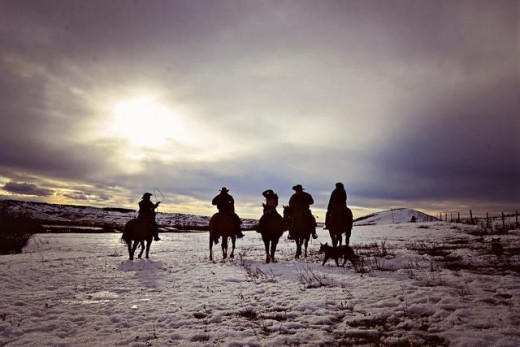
(15, 232)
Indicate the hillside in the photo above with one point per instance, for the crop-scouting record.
(394, 216)
(68, 218)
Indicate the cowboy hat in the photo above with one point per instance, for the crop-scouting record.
(298, 187)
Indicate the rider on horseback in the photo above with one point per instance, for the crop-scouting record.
(147, 213)
(226, 205)
(338, 199)
(300, 201)
(271, 200)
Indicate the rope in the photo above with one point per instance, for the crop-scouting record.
(157, 192)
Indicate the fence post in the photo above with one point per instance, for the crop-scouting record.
(487, 219)
(458, 217)
(446, 217)
(471, 217)
(503, 221)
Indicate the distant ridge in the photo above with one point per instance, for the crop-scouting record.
(102, 218)
(395, 216)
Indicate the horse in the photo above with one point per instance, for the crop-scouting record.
(271, 226)
(300, 226)
(340, 221)
(135, 233)
(222, 224)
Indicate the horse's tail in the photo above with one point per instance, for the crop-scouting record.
(128, 231)
(350, 219)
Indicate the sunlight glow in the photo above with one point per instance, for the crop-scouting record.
(145, 123)
(147, 128)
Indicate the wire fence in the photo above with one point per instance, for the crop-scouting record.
(505, 220)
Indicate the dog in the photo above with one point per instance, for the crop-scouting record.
(345, 252)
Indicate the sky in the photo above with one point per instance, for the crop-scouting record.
(408, 103)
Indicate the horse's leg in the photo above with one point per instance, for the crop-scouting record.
(340, 239)
(233, 240)
(210, 248)
(332, 238)
(298, 247)
(347, 237)
(130, 252)
(142, 249)
(148, 244)
(274, 243)
(224, 247)
(266, 244)
(134, 247)
(306, 244)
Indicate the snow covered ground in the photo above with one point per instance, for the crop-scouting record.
(417, 284)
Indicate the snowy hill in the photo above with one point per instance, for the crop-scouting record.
(68, 218)
(395, 216)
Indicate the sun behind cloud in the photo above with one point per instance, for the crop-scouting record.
(144, 122)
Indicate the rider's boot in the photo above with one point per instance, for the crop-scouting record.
(314, 235)
(156, 233)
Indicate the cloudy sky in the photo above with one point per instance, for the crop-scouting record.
(409, 103)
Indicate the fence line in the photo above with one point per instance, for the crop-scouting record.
(505, 219)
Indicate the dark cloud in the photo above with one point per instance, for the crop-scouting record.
(401, 100)
(463, 148)
(26, 189)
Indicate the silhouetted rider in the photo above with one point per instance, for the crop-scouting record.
(271, 200)
(226, 204)
(146, 213)
(338, 199)
(270, 204)
(300, 201)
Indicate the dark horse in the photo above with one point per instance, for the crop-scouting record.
(135, 233)
(271, 226)
(222, 225)
(340, 221)
(300, 226)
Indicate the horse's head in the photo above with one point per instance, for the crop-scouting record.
(287, 212)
